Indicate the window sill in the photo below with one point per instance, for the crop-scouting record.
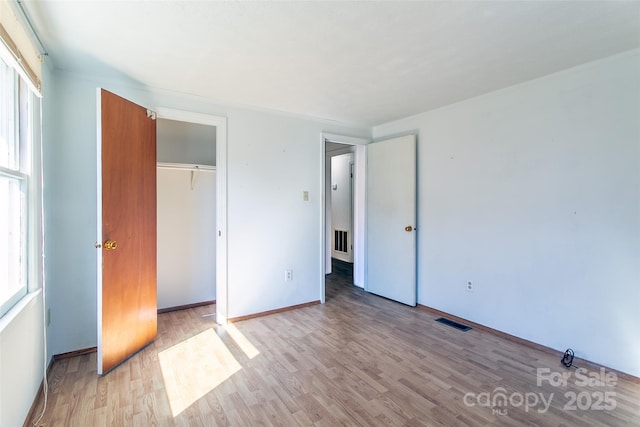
(18, 309)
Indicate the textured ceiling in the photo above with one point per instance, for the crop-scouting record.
(362, 63)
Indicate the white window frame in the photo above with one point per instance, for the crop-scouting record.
(28, 174)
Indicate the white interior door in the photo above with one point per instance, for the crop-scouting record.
(391, 219)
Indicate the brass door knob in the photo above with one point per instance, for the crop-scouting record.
(408, 228)
(110, 244)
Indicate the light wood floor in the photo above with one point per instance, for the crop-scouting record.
(357, 360)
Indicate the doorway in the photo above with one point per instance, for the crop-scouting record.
(344, 247)
(383, 170)
(186, 202)
(340, 202)
(339, 210)
(220, 126)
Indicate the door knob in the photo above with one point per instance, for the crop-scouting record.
(110, 244)
(408, 228)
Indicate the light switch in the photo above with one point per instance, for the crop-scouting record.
(305, 196)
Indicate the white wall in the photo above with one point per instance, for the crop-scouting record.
(186, 236)
(532, 193)
(70, 215)
(272, 159)
(21, 361)
(341, 192)
(184, 142)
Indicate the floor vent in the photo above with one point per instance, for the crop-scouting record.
(458, 326)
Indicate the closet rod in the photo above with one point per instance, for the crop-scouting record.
(186, 166)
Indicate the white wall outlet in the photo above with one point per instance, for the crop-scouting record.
(288, 275)
(305, 196)
(469, 286)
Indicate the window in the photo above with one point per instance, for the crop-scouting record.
(19, 123)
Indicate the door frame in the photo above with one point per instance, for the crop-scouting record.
(220, 124)
(358, 208)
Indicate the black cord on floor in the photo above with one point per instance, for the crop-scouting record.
(567, 359)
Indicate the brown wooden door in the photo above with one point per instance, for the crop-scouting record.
(127, 305)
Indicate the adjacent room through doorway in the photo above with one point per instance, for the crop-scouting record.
(339, 211)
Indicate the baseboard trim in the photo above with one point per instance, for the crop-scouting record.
(278, 310)
(474, 325)
(185, 307)
(530, 344)
(74, 353)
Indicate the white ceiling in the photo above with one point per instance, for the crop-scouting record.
(362, 63)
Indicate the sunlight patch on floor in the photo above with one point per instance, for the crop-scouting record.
(238, 337)
(195, 367)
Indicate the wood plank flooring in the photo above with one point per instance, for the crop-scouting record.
(356, 360)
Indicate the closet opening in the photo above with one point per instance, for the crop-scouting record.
(186, 214)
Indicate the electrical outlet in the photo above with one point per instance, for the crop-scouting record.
(48, 316)
(469, 286)
(288, 275)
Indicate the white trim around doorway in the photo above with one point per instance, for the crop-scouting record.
(220, 124)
